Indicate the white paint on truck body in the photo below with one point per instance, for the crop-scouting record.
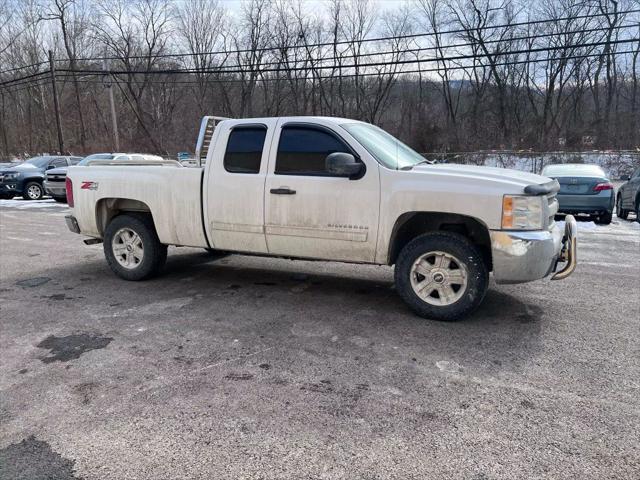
(172, 194)
(329, 218)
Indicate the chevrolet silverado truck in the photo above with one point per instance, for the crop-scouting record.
(330, 189)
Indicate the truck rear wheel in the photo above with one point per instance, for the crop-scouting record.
(441, 276)
(132, 247)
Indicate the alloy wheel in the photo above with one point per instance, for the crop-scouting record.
(128, 248)
(439, 278)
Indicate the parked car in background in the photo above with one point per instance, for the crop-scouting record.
(628, 198)
(584, 189)
(54, 181)
(27, 178)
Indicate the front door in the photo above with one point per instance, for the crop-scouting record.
(308, 211)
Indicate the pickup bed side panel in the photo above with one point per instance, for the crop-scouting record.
(172, 194)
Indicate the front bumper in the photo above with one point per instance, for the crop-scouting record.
(10, 187)
(520, 257)
(56, 189)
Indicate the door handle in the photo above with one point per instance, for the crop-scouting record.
(282, 191)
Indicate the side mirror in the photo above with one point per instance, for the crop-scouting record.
(344, 165)
(625, 177)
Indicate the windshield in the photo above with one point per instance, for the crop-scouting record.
(39, 162)
(385, 148)
(96, 156)
(573, 170)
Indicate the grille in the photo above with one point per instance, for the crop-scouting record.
(55, 178)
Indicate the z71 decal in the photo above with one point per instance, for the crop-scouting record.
(89, 186)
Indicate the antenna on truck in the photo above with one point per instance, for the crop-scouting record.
(207, 127)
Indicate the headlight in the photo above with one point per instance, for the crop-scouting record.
(521, 212)
(11, 176)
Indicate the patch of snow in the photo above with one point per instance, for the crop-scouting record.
(22, 204)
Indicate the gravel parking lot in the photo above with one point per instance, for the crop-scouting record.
(246, 367)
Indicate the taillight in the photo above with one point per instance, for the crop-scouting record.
(69, 187)
(603, 186)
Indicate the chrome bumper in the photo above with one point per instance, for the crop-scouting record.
(525, 256)
(55, 188)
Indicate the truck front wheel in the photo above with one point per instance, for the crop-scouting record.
(132, 247)
(441, 276)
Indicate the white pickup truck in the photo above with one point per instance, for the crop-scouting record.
(331, 189)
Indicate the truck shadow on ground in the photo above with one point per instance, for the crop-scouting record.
(504, 333)
(288, 296)
(499, 306)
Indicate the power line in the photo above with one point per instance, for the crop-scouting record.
(257, 68)
(24, 67)
(365, 40)
(326, 77)
(311, 61)
(351, 42)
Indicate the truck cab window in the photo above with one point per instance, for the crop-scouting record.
(244, 149)
(303, 150)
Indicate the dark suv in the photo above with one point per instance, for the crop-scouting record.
(628, 198)
(26, 179)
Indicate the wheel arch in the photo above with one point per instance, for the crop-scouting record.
(28, 180)
(409, 225)
(108, 208)
(33, 178)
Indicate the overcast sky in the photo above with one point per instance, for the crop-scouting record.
(234, 5)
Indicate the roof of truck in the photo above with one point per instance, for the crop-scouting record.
(299, 118)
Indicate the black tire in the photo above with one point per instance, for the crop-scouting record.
(604, 219)
(154, 253)
(456, 246)
(638, 210)
(33, 191)
(60, 199)
(6, 196)
(621, 212)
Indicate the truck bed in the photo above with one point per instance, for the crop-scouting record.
(172, 194)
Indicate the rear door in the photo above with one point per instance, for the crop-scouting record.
(630, 189)
(310, 212)
(234, 189)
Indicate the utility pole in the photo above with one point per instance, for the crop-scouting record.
(114, 119)
(56, 106)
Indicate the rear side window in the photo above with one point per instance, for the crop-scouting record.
(244, 149)
(303, 150)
